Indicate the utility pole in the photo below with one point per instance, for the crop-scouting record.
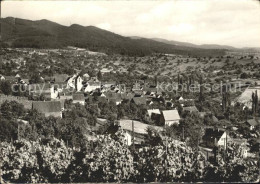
(183, 133)
(133, 135)
(18, 131)
(166, 152)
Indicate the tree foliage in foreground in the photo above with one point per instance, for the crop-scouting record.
(113, 161)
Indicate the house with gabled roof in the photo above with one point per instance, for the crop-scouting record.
(252, 123)
(215, 137)
(11, 79)
(58, 78)
(48, 108)
(153, 111)
(139, 100)
(170, 117)
(75, 82)
(154, 114)
(135, 131)
(2, 77)
(86, 77)
(44, 89)
(91, 86)
(190, 109)
(78, 98)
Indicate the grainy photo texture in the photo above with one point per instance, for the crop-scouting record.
(129, 91)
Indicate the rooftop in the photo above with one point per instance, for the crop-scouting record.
(171, 115)
(139, 127)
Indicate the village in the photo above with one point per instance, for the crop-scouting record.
(208, 106)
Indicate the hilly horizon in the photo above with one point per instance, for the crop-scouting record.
(47, 34)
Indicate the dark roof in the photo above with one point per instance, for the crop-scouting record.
(139, 100)
(78, 96)
(47, 106)
(102, 99)
(40, 87)
(127, 96)
(252, 122)
(10, 78)
(150, 89)
(111, 95)
(191, 109)
(60, 77)
(214, 119)
(210, 133)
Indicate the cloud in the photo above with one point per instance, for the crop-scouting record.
(104, 25)
(182, 28)
(229, 22)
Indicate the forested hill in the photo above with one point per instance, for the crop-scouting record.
(46, 34)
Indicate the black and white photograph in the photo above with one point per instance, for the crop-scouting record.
(129, 91)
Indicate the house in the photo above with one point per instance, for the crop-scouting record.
(154, 114)
(114, 97)
(117, 101)
(139, 100)
(2, 77)
(78, 83)
(153, 111)
(127, 96)
(44, 89)
(137, 87)
(58, 78)
(108, 84)
(105, 71)
(215, 137)
(246, 97)
(78, 98)
(86, 77)
(91, 86)
(75, 82)
(135, 131)
(17, 76)
(11, 79)
(252, 123)
(190, 109)
(24, 81)
(202, 114)
(215, 120)
(101, 125)
(170, 117)
(243, 145)
(48, 108)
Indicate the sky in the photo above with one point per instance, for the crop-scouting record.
(226, 22)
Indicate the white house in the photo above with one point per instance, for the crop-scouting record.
(75, 82)
(78, 83)
(223, 139)
(78, 98)
(170, 117)
(91, 86)
(252, 123)
(2, 77)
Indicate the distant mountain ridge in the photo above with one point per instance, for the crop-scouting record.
(47, 34)
(203, 46)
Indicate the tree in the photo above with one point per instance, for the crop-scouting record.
(5, 87)
(180, 163)
(153, 137)
(12, 110)
(99, 75)
(232, 167)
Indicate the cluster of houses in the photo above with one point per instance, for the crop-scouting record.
(84, 89)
